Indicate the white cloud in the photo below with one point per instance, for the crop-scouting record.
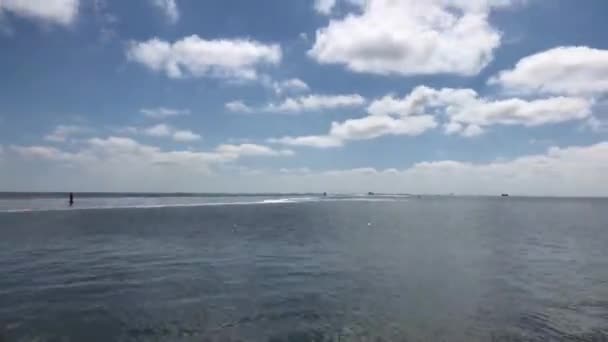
(62, 132)
(374, 126)
(197, 57)
(452, 127)
(293, 85)
(127, 130)
(365, 128)
(163, 113)
(315, 102)
(561, 171)
(318, 141)
(308, 103)
(410, 37)
(117, 164)
(41, 152)
(472, 131)
(300, 170)
(569, 171)
(519, 112)
(126, 152)
(390, 105)
(596, 125)
(562, 70)
(62, 12)
(468, 113)
(105, 20)
(169, 8)
(160, 130)
(248, 150)
(185, 136)
(238, 106)
(117, 149)
(463, 110)
(164, 130)
(413, 103)
(324, 6)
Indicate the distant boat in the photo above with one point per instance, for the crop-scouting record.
(504, 195)
(370, 193)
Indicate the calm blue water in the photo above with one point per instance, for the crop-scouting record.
(303, 268)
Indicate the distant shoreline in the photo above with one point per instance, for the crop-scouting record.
(110, 194)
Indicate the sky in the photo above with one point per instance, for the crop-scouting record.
(398, 96)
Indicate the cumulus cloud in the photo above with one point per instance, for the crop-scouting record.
(197, 57)
(570, 70)
(560, 171)
(160, 130)
(300, 170)
(318, 141)
(185, 136)
(596, 125)
(105, 20)
(472, 130)
(41, 152)
(238, 106)
(62, 132)
(118, 164)
(467, 112)
(163, 113)
(122, 151)
(61, 12)
(324, 6)
(410, 37)
(246, 150)
(520, 112)
(169, 9)
(315, 102)
(463, 112)
(308, 103)
(371, 127)
(365, 128)
(164, 130)
(293, 85)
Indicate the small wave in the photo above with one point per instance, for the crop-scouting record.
(17, 210)
(290, 200)
(157, 206)
(276, 201)
(366, 199)
(268, 201)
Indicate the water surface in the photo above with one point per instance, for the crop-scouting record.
(303, 268)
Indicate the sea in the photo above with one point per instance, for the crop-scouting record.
(302, 267)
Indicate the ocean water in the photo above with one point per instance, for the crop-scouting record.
(302, 268)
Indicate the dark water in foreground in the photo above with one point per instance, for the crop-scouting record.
(395, 269)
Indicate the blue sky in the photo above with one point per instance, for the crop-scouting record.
(471, 97)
